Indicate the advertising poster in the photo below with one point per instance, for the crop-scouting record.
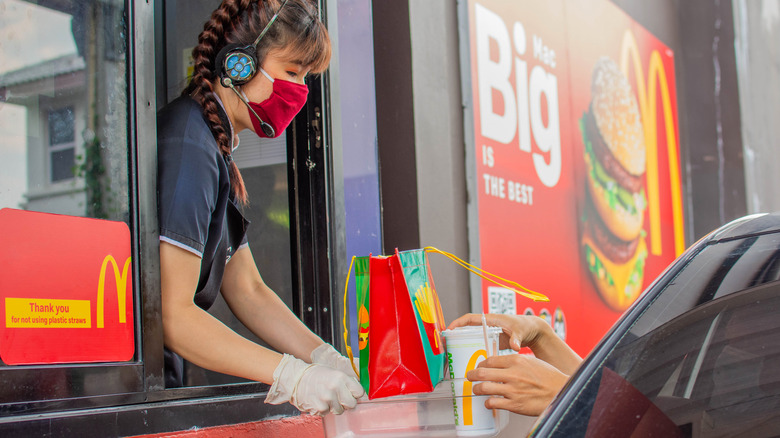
(576, 159)
(65, 289)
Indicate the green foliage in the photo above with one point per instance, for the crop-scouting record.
(91, 167)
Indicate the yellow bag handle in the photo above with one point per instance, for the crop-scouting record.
(346, 315)
(493, 278)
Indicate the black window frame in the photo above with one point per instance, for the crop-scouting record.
(134, 400)
(26, 390)
(308, 153)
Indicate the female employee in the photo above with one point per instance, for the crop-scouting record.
(524, 384)
(249, 68)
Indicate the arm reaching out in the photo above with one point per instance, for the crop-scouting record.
(528, 331)
(261, 310)
(202, 339)
(195, 334)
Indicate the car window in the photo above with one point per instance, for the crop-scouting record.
(701, 361)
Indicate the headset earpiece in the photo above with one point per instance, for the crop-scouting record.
(236, 64)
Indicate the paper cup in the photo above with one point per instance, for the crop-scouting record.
(465, 350)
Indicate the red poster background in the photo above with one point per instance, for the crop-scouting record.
(55, 257)
(538, 244)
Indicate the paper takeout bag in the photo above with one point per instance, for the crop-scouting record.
(400, 321)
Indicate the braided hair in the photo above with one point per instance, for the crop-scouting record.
(297, 30)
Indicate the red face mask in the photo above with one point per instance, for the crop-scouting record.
(273, 115)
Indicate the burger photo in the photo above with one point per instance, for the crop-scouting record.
(613, 238)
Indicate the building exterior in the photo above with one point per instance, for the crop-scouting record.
(388, 153)
(58, 146)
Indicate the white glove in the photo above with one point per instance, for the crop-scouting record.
(313, 388)
(325, 354)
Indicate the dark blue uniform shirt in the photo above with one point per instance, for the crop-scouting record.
(196, 211)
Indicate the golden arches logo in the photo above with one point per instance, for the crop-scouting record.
(468, 410)
(656, 77)
(121, 289)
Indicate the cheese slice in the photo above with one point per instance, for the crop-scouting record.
(614, 280)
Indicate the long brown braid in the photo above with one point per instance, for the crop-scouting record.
(240, 22)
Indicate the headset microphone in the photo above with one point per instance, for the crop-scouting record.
(268, 130)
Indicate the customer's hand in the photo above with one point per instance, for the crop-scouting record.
(517, 330)
(525, 385)
(528, 331)
(313, 388)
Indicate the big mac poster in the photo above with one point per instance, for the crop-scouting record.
(575, 168)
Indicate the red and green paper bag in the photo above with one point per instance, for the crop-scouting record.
(400, 357)
(400, 322)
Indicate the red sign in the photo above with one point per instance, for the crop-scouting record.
(65, 289)
(578, 186)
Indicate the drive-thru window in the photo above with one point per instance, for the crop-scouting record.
(79, 292)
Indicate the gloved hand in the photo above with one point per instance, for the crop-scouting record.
(325, 354)
(313, 388)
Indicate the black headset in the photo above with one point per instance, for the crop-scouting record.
(237, 64)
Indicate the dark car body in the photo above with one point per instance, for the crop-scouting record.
(698, 355)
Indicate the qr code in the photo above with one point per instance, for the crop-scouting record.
(501, 300)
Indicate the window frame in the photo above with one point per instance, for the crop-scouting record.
(121, 382)
(311, 232)
(311, 236)
(138, 402)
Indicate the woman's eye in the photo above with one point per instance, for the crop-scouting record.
(292, 74)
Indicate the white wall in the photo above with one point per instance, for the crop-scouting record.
(440, 153)
(757, 44)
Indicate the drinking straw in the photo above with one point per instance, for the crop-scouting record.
(484, 333)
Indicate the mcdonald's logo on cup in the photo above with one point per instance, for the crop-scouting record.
(465, 349)
(71, 280)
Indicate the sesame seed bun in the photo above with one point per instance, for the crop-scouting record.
(616, 112)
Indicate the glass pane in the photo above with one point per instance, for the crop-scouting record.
(64, 150)
(61, 126)
(62, 164)
(59, 85)
(357, 104)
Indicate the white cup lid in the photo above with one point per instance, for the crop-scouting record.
(470, 331)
